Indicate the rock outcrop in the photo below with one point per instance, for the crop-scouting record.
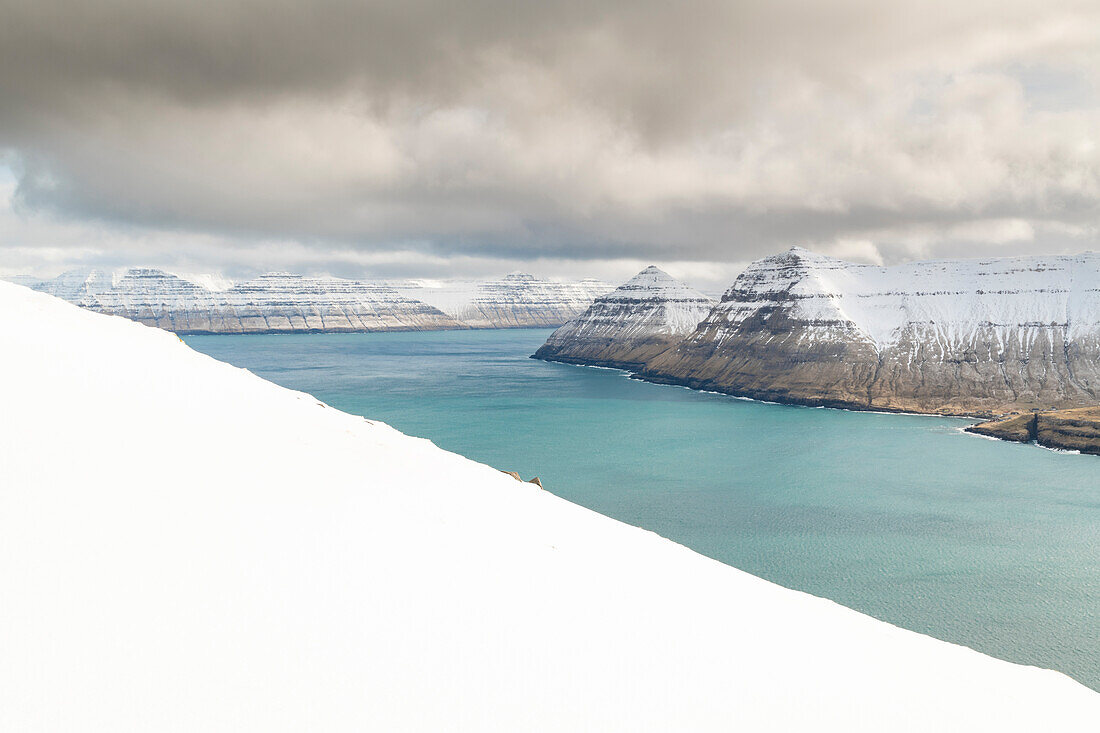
(962, 337)
(1077, 429)
(630, 325)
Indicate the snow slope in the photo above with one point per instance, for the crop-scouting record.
(189, 547)
(631, 324)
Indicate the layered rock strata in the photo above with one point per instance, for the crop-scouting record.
(520, 300)
(272, 303)
(630, 325)
(962, 337)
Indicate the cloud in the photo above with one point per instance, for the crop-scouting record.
(502, 132)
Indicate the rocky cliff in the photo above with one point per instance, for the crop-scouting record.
(1077, 429)
(629, 325)
(974, 337)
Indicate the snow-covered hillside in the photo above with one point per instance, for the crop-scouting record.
(272, 303)
(633, 323)
(951, 336)
(189, 547)
(518, 300)
(284, 302)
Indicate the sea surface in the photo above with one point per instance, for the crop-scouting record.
(989, 544)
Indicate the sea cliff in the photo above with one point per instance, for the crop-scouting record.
(959, 337)
(1075, 430)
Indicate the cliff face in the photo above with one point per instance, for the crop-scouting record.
(950, 337)
(520, 301)
(1077, 429)
(285, 302)
(276, 302)
(630, 325)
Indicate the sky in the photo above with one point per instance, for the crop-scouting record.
(444, 138)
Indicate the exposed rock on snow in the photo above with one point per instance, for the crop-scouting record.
(283, 302)
(286, 302)
(518, 300)
(629, 325)
(189, 547)
(953, 337)
(277, 302)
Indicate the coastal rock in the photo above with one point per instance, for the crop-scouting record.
(955, 337)
(1016, 428)
(631, 324)
(1077, 429)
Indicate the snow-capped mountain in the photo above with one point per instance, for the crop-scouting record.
(284, 302)
(517, 300)
(631, 324)
(277, 302)
(952, 336)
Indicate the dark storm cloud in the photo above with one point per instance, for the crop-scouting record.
(710, 131)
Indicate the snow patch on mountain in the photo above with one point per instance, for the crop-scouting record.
(518, 300)
(631, 324)
(955, 299)
(969, 337)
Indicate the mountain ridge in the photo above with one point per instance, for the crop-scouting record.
(283, 302)
(631, 324)
(955, 337)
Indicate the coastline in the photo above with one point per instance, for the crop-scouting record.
(1084, 441)
(772, 399)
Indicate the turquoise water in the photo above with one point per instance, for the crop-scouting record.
(988, 544)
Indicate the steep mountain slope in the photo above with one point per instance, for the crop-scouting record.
(518, 300)
(277, 302)
(954, 337)
(286, 302)
(189, 547)
(629, 325)
(283, 302)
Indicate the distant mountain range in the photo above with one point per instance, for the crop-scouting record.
(955, 337)
(288, 303)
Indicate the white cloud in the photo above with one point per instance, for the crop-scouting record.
(579, 134)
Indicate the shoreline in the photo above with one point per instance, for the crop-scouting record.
(1083, 435)
(632, 374)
